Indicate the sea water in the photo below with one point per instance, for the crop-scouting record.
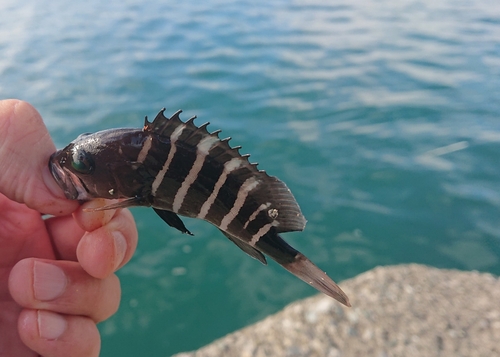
(382, 117)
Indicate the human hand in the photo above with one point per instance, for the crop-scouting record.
(56, 275)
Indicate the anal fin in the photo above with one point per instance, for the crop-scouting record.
(251, 251)
(172, 220)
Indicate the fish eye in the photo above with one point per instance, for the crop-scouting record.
(82, 161)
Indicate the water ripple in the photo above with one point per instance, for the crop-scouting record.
(381, 116)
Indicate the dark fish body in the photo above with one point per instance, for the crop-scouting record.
(181, 169)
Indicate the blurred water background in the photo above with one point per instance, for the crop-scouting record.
(382, 117)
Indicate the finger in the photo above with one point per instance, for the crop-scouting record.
(63, 287)
(101, 251)
(18, 226)
(90, 220)
(25, 148)
(55, 335)
(106, 249)
(10, 342)
(65, 234)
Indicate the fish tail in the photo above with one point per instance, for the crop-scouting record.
(305, 270)
(300, 266)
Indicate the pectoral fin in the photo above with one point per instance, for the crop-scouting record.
(251, 251)
(172, 220)
(129, 202)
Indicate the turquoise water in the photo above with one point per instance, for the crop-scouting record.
(382, 117)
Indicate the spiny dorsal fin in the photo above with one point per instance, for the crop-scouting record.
(272, 190)
(162, 125)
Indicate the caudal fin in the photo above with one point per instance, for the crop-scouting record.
(296, 263)
(305, 270)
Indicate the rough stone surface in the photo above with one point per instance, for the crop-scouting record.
(407, 310)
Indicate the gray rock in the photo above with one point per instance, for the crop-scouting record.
(407, 310)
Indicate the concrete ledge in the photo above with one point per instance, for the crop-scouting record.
(406, 310)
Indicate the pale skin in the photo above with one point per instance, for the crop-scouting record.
(57, 275)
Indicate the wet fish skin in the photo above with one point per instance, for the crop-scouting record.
(178, 168)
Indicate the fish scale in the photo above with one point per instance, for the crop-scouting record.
(178, 168)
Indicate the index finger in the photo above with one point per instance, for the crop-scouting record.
(101, 241)
(67, 231)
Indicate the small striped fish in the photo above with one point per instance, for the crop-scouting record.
(178, 168)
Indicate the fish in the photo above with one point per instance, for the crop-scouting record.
(178, 168)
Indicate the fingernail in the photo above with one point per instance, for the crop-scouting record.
(51, 325)
(49, 281)
(120, 247)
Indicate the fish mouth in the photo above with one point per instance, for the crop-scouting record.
(68, 181)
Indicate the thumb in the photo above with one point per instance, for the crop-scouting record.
(25, 148)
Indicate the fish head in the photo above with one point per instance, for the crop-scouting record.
(82, 169)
